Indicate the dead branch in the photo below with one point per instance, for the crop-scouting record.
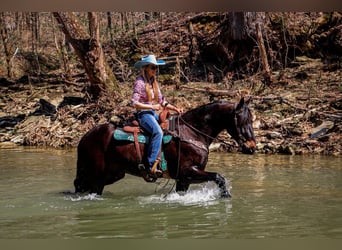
(306, 110)
(213, 92)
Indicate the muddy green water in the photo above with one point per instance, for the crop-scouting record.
(273, 197)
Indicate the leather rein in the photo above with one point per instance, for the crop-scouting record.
(202, 133)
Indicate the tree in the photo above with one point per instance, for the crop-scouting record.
(241, 31)
(88, 49)
(6, 43)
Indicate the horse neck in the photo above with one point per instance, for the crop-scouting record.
(210, 119)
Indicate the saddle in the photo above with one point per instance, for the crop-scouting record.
(134, 129)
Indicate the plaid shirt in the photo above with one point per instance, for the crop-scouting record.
(140, 95)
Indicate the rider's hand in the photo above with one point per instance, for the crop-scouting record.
(156, 107)
(179, 111)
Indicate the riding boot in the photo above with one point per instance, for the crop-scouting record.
(145, 173)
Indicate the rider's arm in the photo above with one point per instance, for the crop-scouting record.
(141, 106)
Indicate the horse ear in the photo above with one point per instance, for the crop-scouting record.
(249, 99)
(241, 103)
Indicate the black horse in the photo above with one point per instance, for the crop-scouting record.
(103, 160)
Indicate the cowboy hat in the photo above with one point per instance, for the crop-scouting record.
(146, 60)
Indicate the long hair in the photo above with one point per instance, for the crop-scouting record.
(148, 88)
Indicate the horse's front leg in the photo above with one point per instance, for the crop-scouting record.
(181, 186)
(221, 183)
(195, 175)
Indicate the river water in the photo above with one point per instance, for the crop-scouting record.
(274, 196)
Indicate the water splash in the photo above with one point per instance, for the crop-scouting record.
(87, 197)
(201, 195)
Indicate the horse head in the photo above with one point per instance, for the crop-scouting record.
(242, 129)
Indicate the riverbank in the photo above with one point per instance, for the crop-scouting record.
(299, 114)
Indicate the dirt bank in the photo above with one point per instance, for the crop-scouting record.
(299, 114)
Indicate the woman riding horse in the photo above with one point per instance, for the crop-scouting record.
(147, 99)
(103, 160)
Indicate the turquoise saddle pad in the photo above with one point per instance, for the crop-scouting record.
(121, 135)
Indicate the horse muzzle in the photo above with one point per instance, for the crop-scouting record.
(249, 147)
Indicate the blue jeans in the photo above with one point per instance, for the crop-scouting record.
(148, 120)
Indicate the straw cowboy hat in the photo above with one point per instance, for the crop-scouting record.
(146, 60)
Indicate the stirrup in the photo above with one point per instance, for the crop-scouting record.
(154, 170)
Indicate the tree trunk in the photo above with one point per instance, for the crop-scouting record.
(6, 43)
(236, 42)
(194, 49)
(237, 29)
(241, 25)
(263, 56)
(88, 49)
(110, 28)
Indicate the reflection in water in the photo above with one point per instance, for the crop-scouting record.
(273, 197)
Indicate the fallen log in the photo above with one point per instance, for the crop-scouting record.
(214, 92)
(321, 129)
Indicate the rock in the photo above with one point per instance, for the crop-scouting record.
(72, 100)
(46, 108)
(214, 147)
(287, 149)
(273, 135)
(296, 131)
(11, 121)
(268, 149)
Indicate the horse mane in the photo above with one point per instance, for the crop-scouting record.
(203, 109)
(228, 109)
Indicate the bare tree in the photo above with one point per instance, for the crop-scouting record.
(263, 56)
(6, 43)
(88, 48)
(109, 27)
(241, 32)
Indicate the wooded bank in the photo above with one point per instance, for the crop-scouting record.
(62, 73)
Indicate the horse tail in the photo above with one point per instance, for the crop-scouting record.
(82, 181)
(91, 159)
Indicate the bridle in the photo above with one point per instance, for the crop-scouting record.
(240, 136)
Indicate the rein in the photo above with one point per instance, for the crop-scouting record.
(204, 134)
(179, 146)
(192, 142)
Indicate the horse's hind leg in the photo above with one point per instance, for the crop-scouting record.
(81, 181)
(90, 172)
(97, 186)
(80, 185)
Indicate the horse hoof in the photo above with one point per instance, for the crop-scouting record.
(226, 194)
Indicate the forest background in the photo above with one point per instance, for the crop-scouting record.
(62, 73)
